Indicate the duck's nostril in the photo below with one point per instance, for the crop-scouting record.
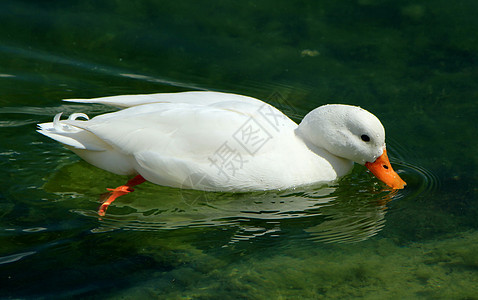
(385, 167)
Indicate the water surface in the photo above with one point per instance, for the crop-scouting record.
(413, 64)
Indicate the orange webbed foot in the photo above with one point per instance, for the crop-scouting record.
(119, 191)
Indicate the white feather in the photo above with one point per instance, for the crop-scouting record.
(214, 141)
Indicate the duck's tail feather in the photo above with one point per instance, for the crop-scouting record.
(70, 135)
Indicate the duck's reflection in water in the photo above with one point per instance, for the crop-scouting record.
(341, 213)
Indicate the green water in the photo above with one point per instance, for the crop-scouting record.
(414, 64)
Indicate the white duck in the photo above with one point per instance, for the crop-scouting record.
(223, 142)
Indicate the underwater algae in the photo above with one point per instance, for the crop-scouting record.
(376, 269)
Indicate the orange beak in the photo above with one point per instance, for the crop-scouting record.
(382, 169)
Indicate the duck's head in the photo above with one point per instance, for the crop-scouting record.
(353, 133)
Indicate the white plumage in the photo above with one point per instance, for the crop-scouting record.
(219, 141)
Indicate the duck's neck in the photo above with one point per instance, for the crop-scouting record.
(312, 129)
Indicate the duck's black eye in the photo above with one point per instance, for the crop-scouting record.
(365, 138)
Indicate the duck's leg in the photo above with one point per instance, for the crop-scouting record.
(120, 191)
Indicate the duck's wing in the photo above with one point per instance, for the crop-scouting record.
(183, 129)
(183, 117)
(195, 97)
(172, 141)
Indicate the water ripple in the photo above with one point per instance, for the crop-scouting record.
(14, 257)
(43, 56)
(342, 213)
(420, 181)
